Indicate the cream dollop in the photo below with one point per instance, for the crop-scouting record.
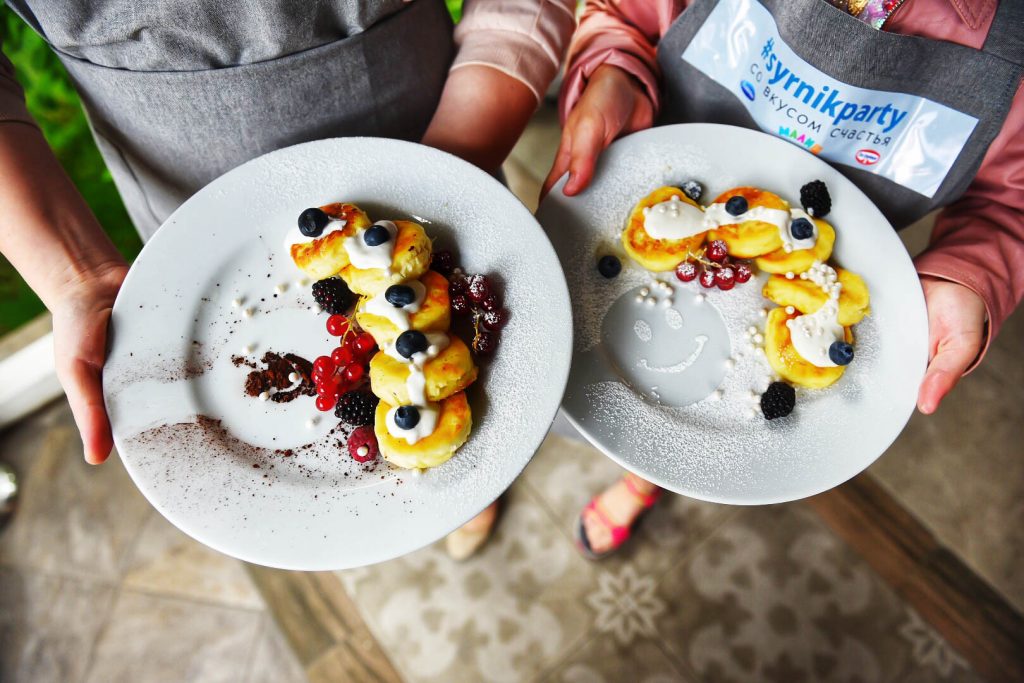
(673, 220)
(363, 256)
(421, 430)
(812, 334)
(397, 315)
(295, 236)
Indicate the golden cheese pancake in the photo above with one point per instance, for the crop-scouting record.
(799, 260)
(787, 361)
(434, 314)
(807, 297)
(325, 256)
(658, 254)
(451, 371)
(410, 258)
(751, 237)
(453, 424)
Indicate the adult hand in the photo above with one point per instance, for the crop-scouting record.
(613, 104)
(956, 331)
(80, 348)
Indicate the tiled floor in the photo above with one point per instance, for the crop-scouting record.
(96, 586)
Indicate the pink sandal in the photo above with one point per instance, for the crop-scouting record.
(620, 534)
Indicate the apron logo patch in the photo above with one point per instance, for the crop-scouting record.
(907, 139)
(867, 157)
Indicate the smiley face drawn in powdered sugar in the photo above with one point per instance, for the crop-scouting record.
(674, 355)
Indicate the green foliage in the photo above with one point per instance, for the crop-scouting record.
(455, 7)
(53, 102)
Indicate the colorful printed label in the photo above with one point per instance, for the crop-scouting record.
(908, 139)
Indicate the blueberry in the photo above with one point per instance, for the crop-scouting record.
(609, 266)
(736, 206)
(407, 417)
(312, 222)
(840, 353)
(692, 189)
(400, 295)
(376, 235)
(801, 229)
(411, 342)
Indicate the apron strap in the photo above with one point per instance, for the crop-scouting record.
(1006, 35)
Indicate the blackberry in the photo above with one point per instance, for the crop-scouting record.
(778, 400)
(815, 199)
(692, 189)
(333, 295)
(357, 408)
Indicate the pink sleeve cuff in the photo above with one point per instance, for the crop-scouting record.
(945, 265)
(582, 69)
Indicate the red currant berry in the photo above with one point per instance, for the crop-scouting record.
(325, 403)
(443, 262)
(478, 288)
(707, 278)
(725, 278)
(717, 251)
(323, 366)
(485, 343)
(491, 303)
(364, 344)
(743, 272)
(337, 325)
(342, 356)
(460, 305)
(494, 320)
(353, 372)
(456, 286)
(687, 271)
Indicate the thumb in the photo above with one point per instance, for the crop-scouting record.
(952, 358)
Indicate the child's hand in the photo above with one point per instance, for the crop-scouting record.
(956, 329)
(613, 104)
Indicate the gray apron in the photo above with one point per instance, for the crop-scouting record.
(918, 154)
(199, 106)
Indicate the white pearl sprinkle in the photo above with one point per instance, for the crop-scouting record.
(698, 297)
(790, 275)
(247, 349)
(264, 395)
(248, 312)
(650, 302)
(639, 298)
(758, 338)
(316, 309)
(280, 288)
(645, 291)
(665, 303)
(362, 451)
(763, 313)
(751, 330)
(311, 422)
(751, 414)
(786, 248)
(803, 276)
(235, 303)
(790, 310)
(417, 473)
(730, 363)
(302, 282)
(294, 377)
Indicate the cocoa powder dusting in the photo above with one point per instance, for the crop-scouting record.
(273, 377)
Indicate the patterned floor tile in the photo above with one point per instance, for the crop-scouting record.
(151, 638)
(73, 518)
(167, 562)
(505, 615)
(273, 660)
(605, 660)
(566, 473)
(48, 626)
(774, 596)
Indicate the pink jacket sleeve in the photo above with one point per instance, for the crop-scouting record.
(525, 39)
(978, 240)
(624, 33)
(12, 99)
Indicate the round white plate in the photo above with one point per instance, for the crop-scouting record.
(215, 462)
(643, 378)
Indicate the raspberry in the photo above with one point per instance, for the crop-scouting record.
(815, 199)
(460, 305)
(687, 271)
(707, 278)
(443, 262)
(485, 343)
(362, 444)
(725, 278)
(717, 251)
(778, 400)
(494, 320)
(478, 288)
(357, 408)
(332, 295)
(743, 272)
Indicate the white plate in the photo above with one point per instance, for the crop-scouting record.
(711, 449)
(175, 330)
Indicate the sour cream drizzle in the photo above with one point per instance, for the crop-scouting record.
(814, 333)
(295, 236)
(421, 430)
(363, 256)
(416, 386)
(397, 315)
